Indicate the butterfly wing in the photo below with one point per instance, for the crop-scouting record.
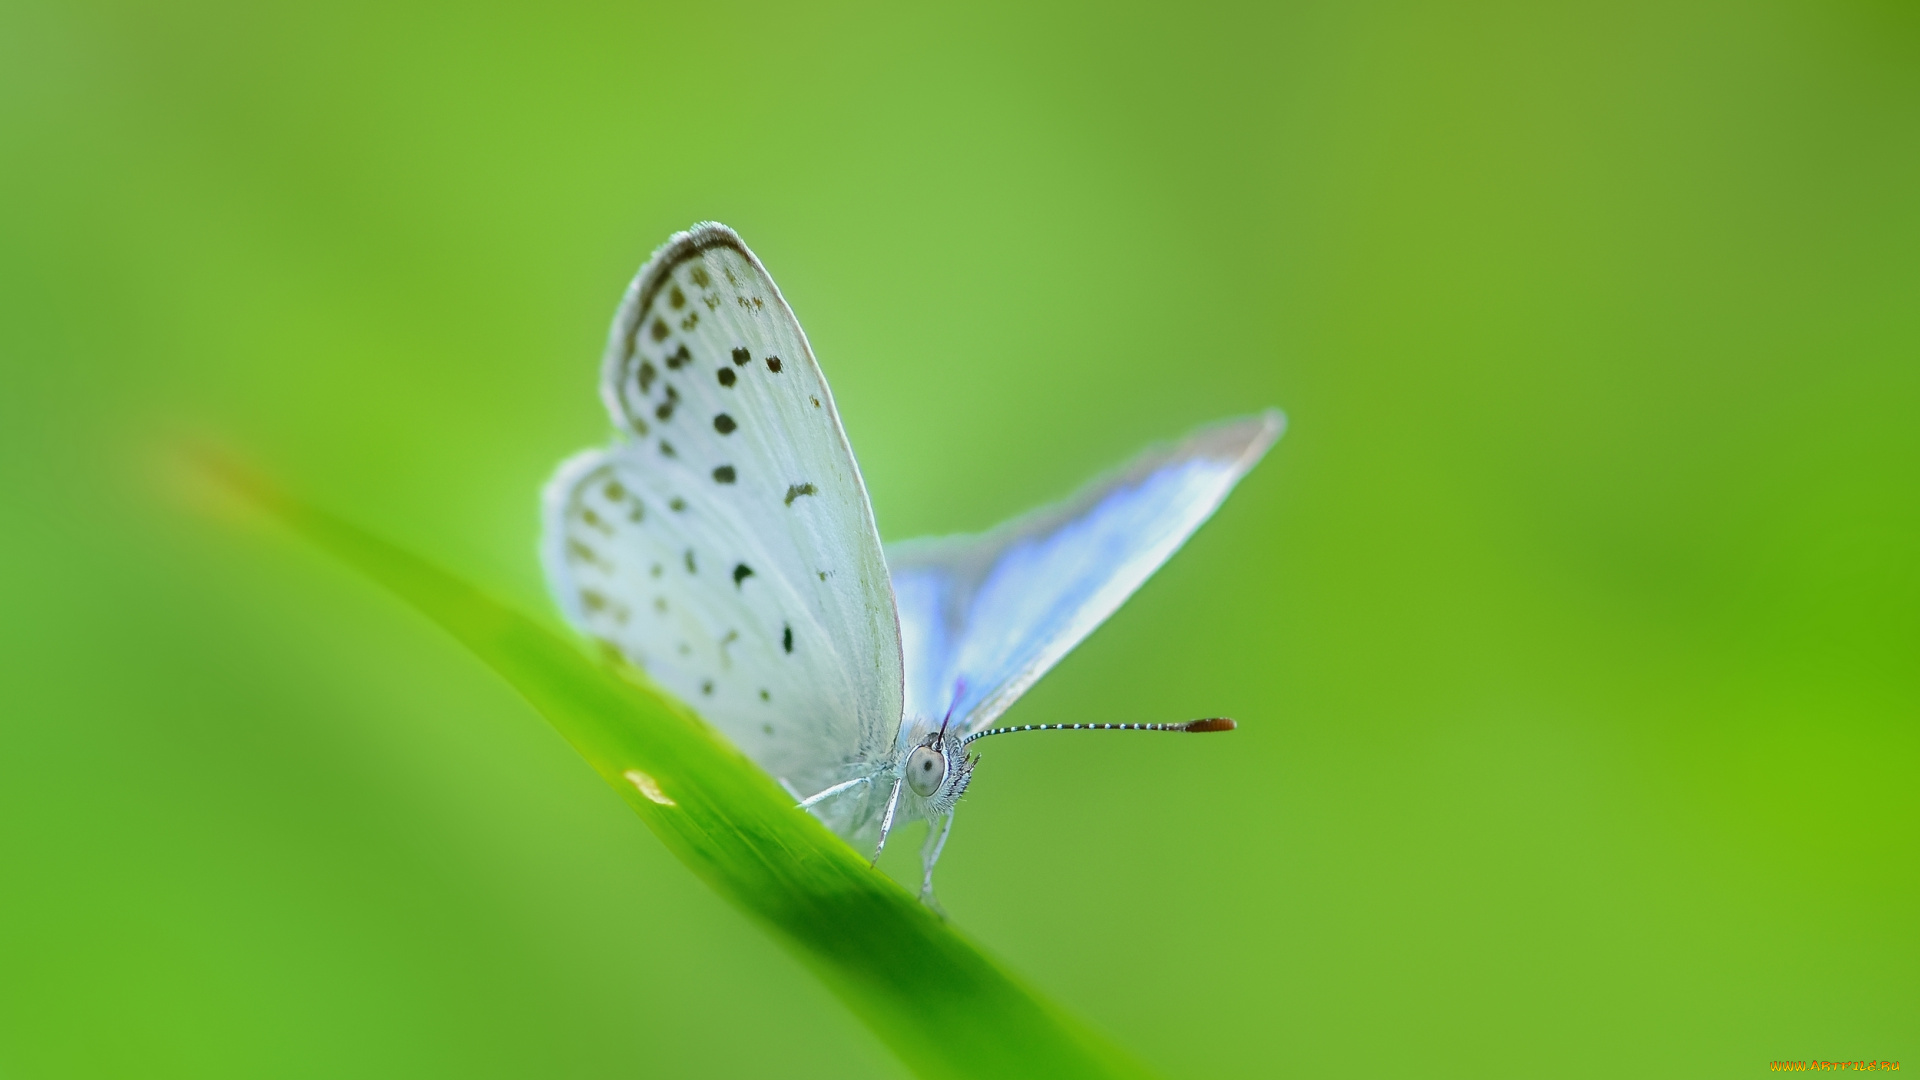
(726, 545)
(988, 615)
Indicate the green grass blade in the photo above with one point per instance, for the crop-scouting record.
(927, 992)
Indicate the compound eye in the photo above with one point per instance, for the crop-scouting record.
(925, 769)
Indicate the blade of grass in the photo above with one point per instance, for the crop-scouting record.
(933, 997)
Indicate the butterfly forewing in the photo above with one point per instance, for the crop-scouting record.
(983, 617)
(727, 546)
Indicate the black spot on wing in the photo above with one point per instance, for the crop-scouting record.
(726, 376)
(677, 298)
(699, 276)
(680, 358)
(742, 357)
(724, 424)
(723, 475)
(598, 604)
(786, 637)
(691, 568)
(676, 504)
(794, 491)
(707, 687)
(647, 373)
(660, 329)
(773, 364)
(741, 572)
(666, 450)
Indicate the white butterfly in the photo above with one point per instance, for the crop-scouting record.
(726, 546)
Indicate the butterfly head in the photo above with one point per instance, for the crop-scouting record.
(938, 770)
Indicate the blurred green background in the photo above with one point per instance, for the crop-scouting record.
(1572, 627)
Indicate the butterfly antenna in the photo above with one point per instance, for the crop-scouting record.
(1211, 723)
(959, 688)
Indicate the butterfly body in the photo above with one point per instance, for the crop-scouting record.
(725, 544)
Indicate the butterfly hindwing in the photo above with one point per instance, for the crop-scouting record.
(988, 615)
(727, 545)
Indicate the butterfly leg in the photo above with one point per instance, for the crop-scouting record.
(930, 854)
(886, 820)
(829, 793)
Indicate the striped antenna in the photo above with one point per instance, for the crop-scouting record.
(1212, 723)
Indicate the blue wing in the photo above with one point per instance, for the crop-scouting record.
(988, 615)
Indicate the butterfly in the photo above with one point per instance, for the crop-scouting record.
(725, 545)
